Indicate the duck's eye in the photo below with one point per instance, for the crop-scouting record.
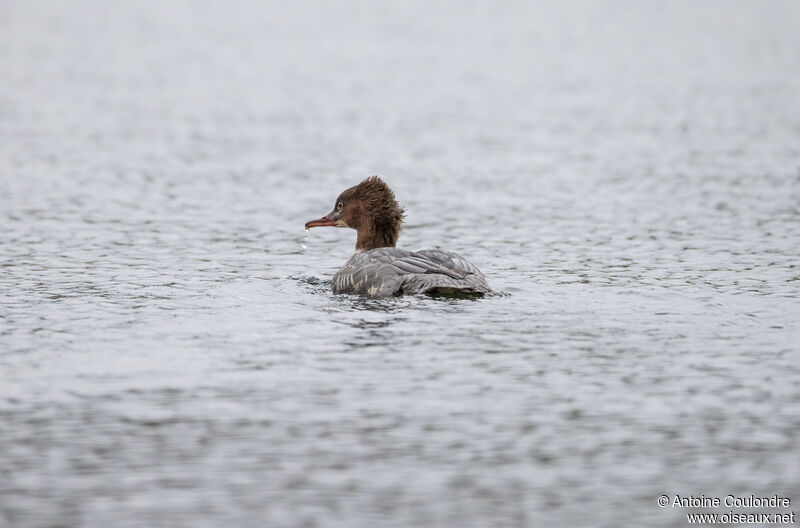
(339, 206)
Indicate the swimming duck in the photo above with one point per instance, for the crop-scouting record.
(378, 268)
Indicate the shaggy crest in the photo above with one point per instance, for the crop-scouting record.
(373, 212)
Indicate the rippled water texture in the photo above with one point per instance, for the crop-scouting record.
(171, 355)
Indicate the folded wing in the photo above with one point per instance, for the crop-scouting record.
(390, 271)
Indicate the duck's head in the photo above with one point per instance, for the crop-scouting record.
(371, 209)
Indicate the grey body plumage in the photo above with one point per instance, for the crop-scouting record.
(387, 271)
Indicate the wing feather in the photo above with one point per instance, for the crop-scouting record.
(390, 271)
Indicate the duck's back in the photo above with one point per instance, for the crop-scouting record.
(389, 271)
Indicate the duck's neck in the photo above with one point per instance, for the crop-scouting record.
(375, 234)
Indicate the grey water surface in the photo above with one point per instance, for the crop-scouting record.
(170, 351)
